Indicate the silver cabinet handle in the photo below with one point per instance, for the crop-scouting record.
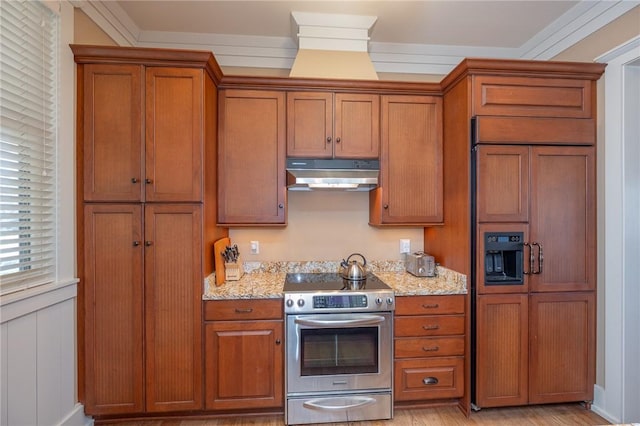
(430, 380)
(321, 404)
(364, 320)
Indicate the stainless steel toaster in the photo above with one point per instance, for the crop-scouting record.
(420, 264)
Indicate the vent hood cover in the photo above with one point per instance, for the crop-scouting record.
(336, 174)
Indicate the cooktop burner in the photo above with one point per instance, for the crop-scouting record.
(329, 281)
(329, 292)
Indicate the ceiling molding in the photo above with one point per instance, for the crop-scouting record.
(279, 52)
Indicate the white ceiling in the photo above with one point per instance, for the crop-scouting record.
(427, 37)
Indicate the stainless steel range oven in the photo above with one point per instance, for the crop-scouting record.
(339, 348)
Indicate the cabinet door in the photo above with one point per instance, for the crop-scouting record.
(251, 174)
(310, 124)
(174, 132)
(112, 132)
(244, 365)
(411, 182)
(113, 310)
(502, 183)
(501, 350)
(562, 364)
(173, 307)
(563, 218)
(357, 126)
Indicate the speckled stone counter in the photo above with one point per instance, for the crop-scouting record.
(264, 280)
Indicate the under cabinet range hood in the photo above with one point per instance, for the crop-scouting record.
(336, 174)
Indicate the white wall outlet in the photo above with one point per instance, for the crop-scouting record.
(405, 246)
(255, 247)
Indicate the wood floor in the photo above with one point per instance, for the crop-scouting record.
(564, 414)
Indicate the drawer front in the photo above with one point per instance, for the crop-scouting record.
(532, 97)
(408, 347)
(431, 378)
(429, 305)
(429, 325)
(243, 309)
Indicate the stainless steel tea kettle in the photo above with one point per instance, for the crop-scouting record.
(353, 270)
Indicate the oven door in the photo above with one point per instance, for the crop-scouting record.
(339, 352)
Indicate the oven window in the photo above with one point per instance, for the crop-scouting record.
(329, 351)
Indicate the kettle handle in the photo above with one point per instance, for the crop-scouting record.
(364, 261)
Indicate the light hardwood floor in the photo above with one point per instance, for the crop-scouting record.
(563, 414)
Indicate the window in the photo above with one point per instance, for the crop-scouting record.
(28, 139)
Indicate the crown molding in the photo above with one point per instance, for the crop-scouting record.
(279, 52)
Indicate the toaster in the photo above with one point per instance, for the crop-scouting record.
(420, 264)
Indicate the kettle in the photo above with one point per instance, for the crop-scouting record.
(353, 270)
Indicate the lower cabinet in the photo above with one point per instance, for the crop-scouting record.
(143, 318)
(429, 348)
(535, 349)
(244, 354)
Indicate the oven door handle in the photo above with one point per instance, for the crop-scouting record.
(361, 320)
(359, 401)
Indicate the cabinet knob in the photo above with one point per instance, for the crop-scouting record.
(281, 206)
(278, 341)
(148, 243)
(337, 140)
(386, 206)
(136, 243)
(147, 180)
(328, 139)
(134, 180)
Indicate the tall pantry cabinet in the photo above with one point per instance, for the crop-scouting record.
(146, 128)
(520, 157)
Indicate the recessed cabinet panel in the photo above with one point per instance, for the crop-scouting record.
(112, 137)
(174, 117)
(251, 157)
(113, 298)
(357, 126)
(563, 218)
(503, 183)
(310, 124)
(173, 306)
(411, 185)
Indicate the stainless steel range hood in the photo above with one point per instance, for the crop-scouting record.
(334, 174)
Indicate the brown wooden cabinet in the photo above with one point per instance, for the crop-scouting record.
(118, 165)
(244, 354)
(251, 158)
(142, 320)
(429, 347)
(146, 126)
(333, 125)
(411, 163)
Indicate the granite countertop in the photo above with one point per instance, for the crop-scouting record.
(264, 280)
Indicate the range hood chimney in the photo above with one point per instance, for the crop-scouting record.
(332, 46)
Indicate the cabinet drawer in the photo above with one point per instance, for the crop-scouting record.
(431, 378)
(243, 309)
(429, 305)
(532, 97)
(429, 325)
(428, 347)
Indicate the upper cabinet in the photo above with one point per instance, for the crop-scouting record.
(411, 186)
(251, 157)
(128, 158)
(328, 125)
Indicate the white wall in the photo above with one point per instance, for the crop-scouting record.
(38, 371)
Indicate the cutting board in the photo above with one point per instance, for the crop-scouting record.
(218, 248)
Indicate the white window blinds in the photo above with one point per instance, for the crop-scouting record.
(28, 134)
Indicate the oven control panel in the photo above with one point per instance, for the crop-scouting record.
(340, 301)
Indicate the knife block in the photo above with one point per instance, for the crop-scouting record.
(233, 271)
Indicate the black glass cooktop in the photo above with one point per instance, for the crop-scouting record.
(329, 281)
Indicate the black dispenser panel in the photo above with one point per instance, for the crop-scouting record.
(503, 258)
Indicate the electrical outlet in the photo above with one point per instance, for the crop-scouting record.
(255, 247)
(405, 246)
